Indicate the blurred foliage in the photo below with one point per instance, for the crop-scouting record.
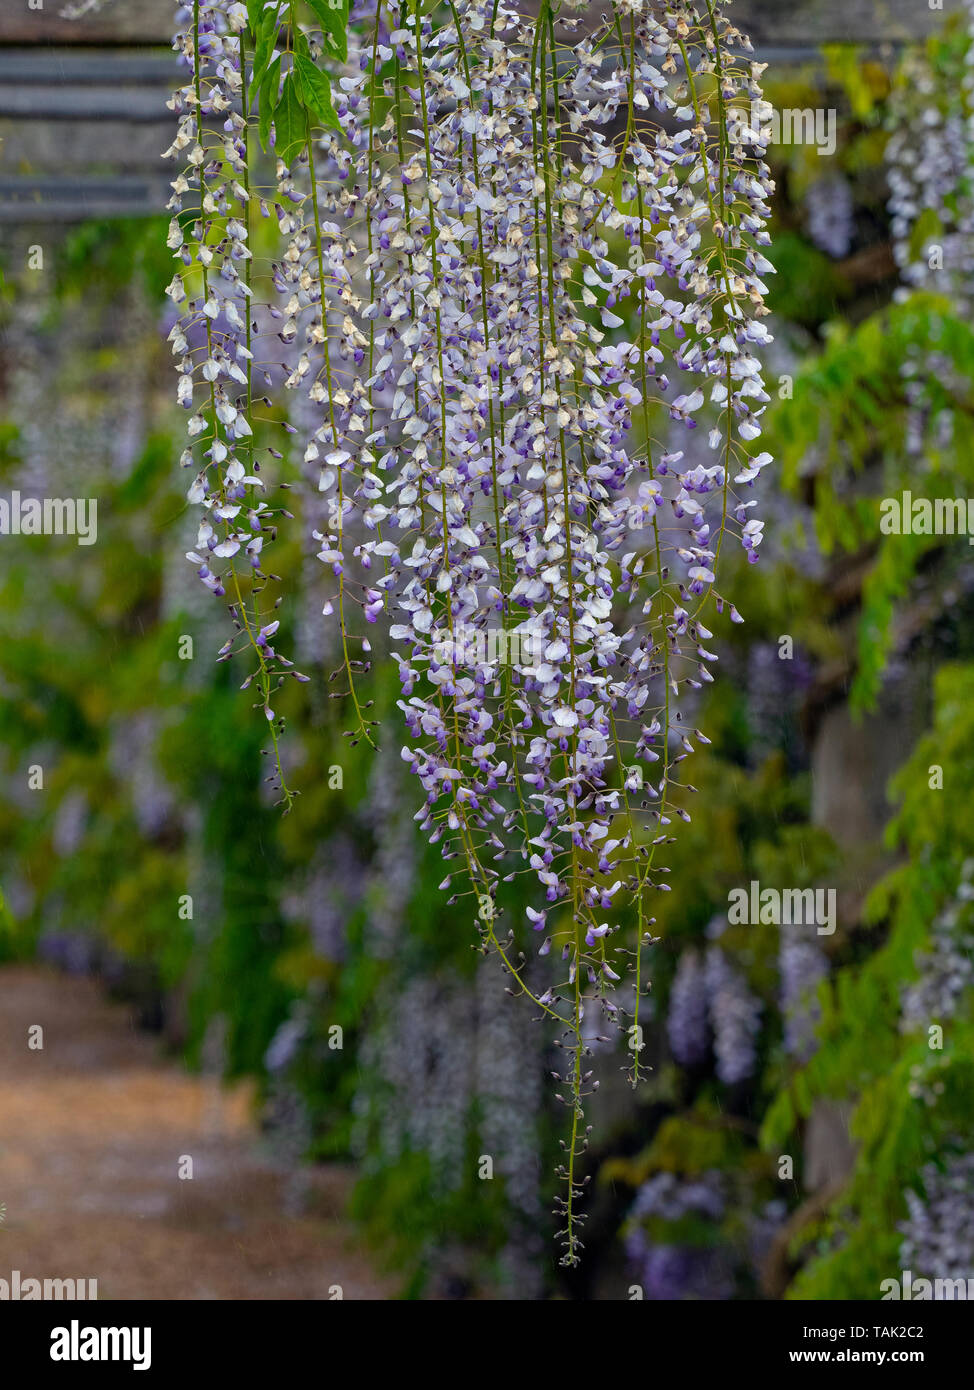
(848, 430)
(913, 1098)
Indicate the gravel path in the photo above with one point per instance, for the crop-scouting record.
(92, 1132)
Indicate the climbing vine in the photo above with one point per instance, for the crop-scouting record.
(461, 198)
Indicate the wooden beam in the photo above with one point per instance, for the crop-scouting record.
(52, 199)
(797, 23)
(93, 67)
(84, 147)
(117, 22)
(802, 26)
(77, 103)
(95, 90)
(811, 22)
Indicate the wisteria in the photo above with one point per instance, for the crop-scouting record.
(668, 1268)
(929, 169)
(938, 1236)
(687, 1022)
(803, 965)
(712, 1008)
(945, 973)
(216, 374)
(509, 247)
(394, 749)
(831, 222)
(735, 1016)
(452, 1049)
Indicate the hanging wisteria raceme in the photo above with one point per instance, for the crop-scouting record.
(938, 1237)
(210, 234)
(931, 181)
(735, 1016)
(688, 1019)
(802, 966)
(669, 1270)
(930, 172)
(525, 249)
(945, 973)
(831, 215)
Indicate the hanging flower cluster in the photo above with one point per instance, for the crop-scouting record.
(212, 341)
(736, 1017)
(929, 169)
(802, 966)
(711, 1005)
(831, 215)
(666, 1268)
(931, 181)
(938, 1236)
(520, 255)
(688, 1017)
(945, 972)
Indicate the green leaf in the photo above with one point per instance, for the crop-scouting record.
(299, 41)
(267, 31)
(333, 19)
(267, 100)
(255, 10)
(290, 121)
(316, 91)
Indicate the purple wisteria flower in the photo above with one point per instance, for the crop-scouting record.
(213, 339)
(735, 1015)
(687, 1023)
(493, 303)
